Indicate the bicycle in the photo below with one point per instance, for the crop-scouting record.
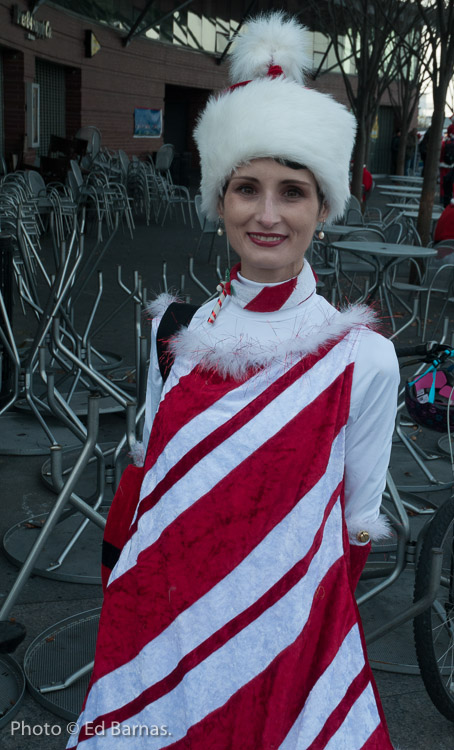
(432, 554)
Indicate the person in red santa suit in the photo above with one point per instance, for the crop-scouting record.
(447, 167)
(229, 616)
(450, 130)
(368, 183)
(445, 226)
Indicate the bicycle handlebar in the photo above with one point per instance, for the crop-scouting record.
(411, 351)
(426, 352)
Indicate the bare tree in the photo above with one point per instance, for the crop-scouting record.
(438, 19)
(410, 81)
(450, 96)
(366, 28)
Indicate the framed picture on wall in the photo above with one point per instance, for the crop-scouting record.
(33, 115)
(147, 123)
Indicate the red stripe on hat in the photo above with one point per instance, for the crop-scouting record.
(275, 71)
(224, 634)
(237, 86)
(271, 298)
(223, 532)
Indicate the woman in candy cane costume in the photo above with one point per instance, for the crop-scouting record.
(229, 619)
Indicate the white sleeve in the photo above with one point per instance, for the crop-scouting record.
(154, 386)
(369, 433)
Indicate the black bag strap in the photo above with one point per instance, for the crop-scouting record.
(178, 314)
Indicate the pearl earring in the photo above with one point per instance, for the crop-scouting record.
(321, 234)
(220, 229)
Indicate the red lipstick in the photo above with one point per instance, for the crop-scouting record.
(266, 239)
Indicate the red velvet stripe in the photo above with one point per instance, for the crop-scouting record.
(382, 739)
(169, 414)
(218, 639)
(179, 406)
(209, 386)
(262, 712)
(221, 532)
(271, 298)
(105, 573)
(340, 712)
(357, 560)
(234, 272)
(379, 740)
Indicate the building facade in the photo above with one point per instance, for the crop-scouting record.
(139, 72)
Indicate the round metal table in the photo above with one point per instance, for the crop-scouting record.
(382, 255)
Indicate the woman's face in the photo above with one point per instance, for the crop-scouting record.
(270, 214)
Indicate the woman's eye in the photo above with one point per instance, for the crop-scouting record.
(246, 189)
(293, 193)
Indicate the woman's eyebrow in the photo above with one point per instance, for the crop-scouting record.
(296, 182)
(293, 181)
(244, 177)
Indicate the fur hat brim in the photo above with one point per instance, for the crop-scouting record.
(275, 118)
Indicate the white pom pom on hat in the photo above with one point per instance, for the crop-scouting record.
(274, 116)
(271, 40)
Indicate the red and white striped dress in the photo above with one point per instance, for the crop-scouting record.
(229, 621)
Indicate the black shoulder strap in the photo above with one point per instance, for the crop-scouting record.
(178, 314)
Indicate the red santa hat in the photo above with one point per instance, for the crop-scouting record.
(267, 112)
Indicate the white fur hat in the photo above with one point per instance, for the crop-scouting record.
(269, 113)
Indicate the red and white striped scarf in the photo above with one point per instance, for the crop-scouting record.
(263, 298)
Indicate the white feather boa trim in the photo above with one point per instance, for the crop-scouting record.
(137, 453)
(377, 530)
(157, 307)
(236, 356)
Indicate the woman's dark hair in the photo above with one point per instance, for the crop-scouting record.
(295, 165)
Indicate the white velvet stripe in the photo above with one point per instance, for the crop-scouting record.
(281, 549)
(244, 291)
(212, 682)
(223, 459)
(327, 693)
(208, 421)
(360, 722)
(297, 298)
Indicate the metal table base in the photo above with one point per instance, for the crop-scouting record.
(394, 652)
(57, 653)
(83, 562)
(12, 688)
(78, 404)
(21, 435)
(86, 486)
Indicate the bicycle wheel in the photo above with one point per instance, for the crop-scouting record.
(434, 628)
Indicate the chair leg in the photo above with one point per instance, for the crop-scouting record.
(198, 244)
(190, 214)
(211, 247)
(165, 214)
